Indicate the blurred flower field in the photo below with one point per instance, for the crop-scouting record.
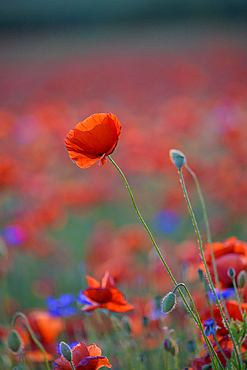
(65, 230)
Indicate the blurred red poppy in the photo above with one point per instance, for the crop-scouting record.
(103, 295)
(46, 328)
(198, 363)
(231, 253)
(93, 139)
(83, 358)
(233, 312)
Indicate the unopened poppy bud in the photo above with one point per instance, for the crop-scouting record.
(145, 320)
(66, 351)
(168, 302)
(207, 367)
(191, 346)
(201, 275)
(241, 279)
(171, 346)
(177, 158)
(14, 341)
(231, 272)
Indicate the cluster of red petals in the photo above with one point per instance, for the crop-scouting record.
(198, 363)
(46, 328)
(83, 358)
(231, 253)
(104, 295)
(233, 311)
(93, 139)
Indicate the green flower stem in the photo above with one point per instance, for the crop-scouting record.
(33, 336)
(205, 264)
(209, 344)
(209, 238)
(71, 364)
(237, 296)
(125, 348)
(221, 350)
(194, 315)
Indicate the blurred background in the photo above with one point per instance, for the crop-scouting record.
(174, 73)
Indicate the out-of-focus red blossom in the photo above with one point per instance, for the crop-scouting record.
(233, 311)
(83, 358)
(104, 295)
(198, 363)
(93, 139)
(46, 328)
(146, 324)
(231, 253)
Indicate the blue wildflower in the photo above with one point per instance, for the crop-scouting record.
(83, 299)
(226, 294)
(62, 305)
(210, 327)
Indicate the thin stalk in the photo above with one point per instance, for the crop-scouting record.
(208, 233)
(205, 264)
(194, 315)
(237, 296)
(33, 336)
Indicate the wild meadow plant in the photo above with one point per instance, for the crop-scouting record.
(222, 326)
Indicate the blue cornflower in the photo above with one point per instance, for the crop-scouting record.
(62, 305)
(210, 327)
(226, 294)
(83, 299)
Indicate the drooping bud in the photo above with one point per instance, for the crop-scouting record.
(177, 158)
(231, 272)
(241, 279)
(168, 302)
(14, 341)
(66, 351)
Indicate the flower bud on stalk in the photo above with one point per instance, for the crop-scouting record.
(168, 302)
(14, 341)
(177, 158)
(241, 279)
(66, 351)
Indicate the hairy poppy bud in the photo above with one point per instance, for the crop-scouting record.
(177, 158)
(231, 272)
(241, 279)
(14, 341)
(66, 351)
(168, 302)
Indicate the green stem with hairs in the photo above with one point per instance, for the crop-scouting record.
(205, 264)
(195, 314)
(33, 336)
(208, 233)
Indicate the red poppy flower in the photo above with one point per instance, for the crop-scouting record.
(233, 312)
(93, 139)
(83, 358)
(46, 328)
(103, 295)
(198, 363)
(231, 253)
